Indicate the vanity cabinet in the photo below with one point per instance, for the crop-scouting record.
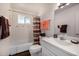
(51, 50)
(45, 50)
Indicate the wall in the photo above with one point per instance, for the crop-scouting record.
(69, 16)
(31, 10)
(42, 10)
(6, 10)
(9, 10)
(5, 43)
(49, 13)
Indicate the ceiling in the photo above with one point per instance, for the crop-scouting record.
(39, 8)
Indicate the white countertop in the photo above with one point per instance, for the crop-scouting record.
(71, 48)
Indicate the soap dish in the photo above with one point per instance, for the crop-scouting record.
(75, 41)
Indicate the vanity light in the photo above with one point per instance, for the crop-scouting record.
(62, 7)
(58, 4)
(67, 3)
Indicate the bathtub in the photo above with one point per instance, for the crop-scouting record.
(19, 48)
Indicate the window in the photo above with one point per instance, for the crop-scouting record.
(27, 20)
(23, 19)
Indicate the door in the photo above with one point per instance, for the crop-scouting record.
(21, 28)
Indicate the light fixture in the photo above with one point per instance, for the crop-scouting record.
(67, 3)
(62, 7)
(58, 4)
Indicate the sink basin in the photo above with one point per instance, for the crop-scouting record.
(64, 42)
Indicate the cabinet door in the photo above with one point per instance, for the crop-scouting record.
(45, 49)
(46, 52)
(53, 50)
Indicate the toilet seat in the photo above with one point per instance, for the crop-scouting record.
(35, 48)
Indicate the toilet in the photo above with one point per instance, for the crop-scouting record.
(35, 50)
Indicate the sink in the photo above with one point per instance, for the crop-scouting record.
(64, 42)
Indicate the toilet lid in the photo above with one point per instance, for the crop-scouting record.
(35, 47)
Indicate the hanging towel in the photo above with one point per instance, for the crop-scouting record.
(5, 27)
(45, 24)
(0, 31)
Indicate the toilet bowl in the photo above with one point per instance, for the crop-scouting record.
(35, 50)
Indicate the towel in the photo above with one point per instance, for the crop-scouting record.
(45, 24)
(0, 29)
(4, 27)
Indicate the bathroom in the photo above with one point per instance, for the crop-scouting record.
(25, 19)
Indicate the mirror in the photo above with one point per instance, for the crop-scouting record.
(69, 15)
